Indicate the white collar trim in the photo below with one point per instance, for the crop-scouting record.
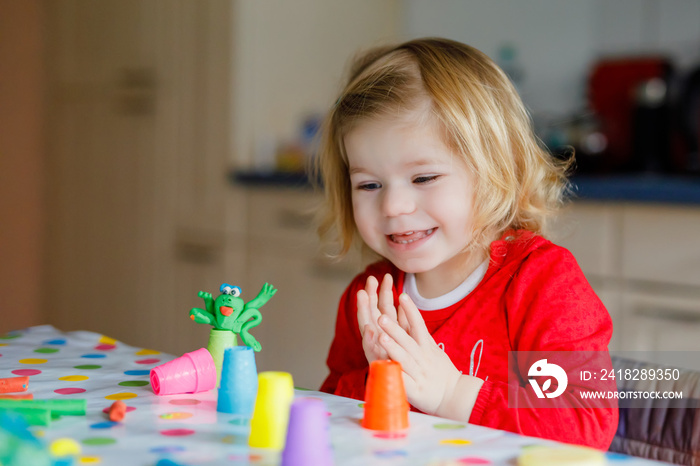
(448, 299)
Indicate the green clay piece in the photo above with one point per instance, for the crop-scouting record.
(99, 441)
(219, 340)
(34, 416)
(75, 407)
(230, 312)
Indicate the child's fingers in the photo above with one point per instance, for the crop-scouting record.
(370, 343)
(418, 330)
(363, 311)
(396, 352)
(371, 289)
(399, 335)
(410, 385)
(403, 321)
(386, 297)
(367, 334)
(379, 351)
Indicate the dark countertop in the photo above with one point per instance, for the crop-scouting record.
(271, 179)
(635, 187)
(645, 188)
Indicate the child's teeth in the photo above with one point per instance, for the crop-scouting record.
(395, 238)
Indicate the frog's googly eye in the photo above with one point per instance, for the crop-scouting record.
(230, 290)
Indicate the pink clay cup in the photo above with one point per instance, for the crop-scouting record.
(190, 373)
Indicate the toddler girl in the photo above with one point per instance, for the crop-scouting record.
(428, 156)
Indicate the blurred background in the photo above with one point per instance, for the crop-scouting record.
(150, 149)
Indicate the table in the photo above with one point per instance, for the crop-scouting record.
(187, 428)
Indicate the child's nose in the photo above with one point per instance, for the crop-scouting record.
(397, 201)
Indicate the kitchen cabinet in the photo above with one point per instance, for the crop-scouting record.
(137, 156)
(661, 321)
(283, 249)
(644, 263)
(659, 244)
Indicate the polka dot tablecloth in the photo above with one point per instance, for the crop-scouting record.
(187, 429)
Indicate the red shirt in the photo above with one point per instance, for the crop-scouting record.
(533, 297)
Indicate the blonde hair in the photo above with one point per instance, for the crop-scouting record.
(518, 184)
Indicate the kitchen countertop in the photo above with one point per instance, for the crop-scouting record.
(643, 188)
(632, 187)
(269, 179)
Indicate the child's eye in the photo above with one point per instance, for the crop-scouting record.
(368, 186)
(423, 179)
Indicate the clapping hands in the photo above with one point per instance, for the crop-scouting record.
(433, 383)
(372, 304)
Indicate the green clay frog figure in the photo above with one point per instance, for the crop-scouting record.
(230, 312)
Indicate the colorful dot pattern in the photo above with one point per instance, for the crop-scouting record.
(187, 429)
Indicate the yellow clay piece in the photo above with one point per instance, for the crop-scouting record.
(64, 447)
(561, 456)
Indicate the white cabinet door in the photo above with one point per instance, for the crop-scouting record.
(137, 148)
(100, 145)
(298, 322)
(661, 244)
(192, 53)
(661, 322)
(591, 232)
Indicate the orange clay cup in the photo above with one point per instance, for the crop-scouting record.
(386, 407)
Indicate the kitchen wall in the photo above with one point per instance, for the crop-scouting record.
(671, 27)
(289, 62)
(552, 40)
(557, 40)
(290, 57)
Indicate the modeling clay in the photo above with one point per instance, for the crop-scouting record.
(20, 396)
(239, 381)
(230, 312)
(14, 384)
(117, 411)
(64, 447)
(192, 372)
(41, 412)
(268, 425)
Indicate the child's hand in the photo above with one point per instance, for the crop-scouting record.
(370, 306)
(433, 384)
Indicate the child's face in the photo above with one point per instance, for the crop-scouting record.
(413, 199)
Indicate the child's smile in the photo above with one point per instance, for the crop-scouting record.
(410, 237)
